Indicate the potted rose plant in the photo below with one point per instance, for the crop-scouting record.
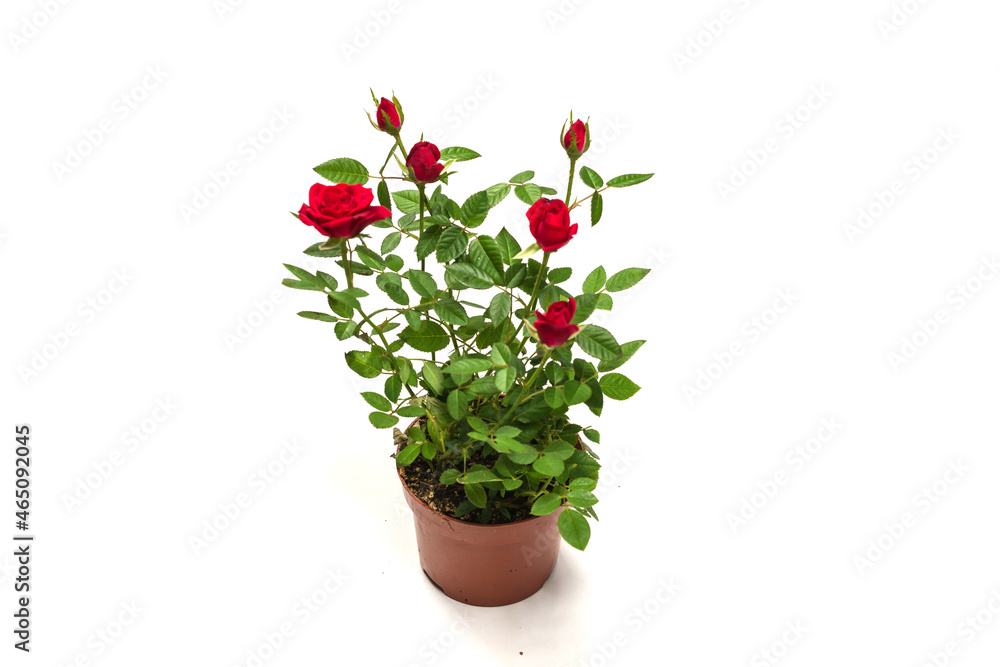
(476, 339)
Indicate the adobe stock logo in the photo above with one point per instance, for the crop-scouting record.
(787, 127)
(122, 107)
(32, 25)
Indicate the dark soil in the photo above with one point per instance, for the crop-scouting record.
(421, 479)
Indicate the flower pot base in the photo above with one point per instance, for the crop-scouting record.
(485, 565)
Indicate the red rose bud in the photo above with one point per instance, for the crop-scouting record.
(423, 161)
(577, 140)
(341, 211)
(553, 327)
(388, 117)
(548, 220)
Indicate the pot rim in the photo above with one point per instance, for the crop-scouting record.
(489, 526)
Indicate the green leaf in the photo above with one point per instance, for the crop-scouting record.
(382, 420)
(574, 528)
(451, 244)
(523, 457)
(306, 277)
(595, 280)
(451, 311)
(628, 179)
(328, 280)
(506, 444)
(523, 177)
(394, 262)
(546, 504)
(299, 284)
(411, 411)
(497, 193)
(390, 242)
(370, 258)
(478, 424)
(392, 284)
(596, 400)
(596, 208)
(554, 397)
(628, 349)
(511, 484)
(450, 476)
(618, 387)
(585, 306)
(515, 275)
(377, 401)
(528, 193)
(408, 455)
(548, 465)
(581, 498)
(476, 495)
(428, 242)
(343, 170)
(422, 282)
(345, 330)
(314, 251)
(430, 338)
(461, 274)
(358, 268)
(469, 365)
(500, 355)
(413, 319)
(478, 477)
(527, 252)
(458, 154)
(625, 279)
(322, 317)
(500, 307)
(560, 449)
(590, 177)
(508, 245)
(434, 377)
(560, 275)
(407, 201)
(458, 404)
(366, 364)
(393, 387)
(484, 253)
(598, 342)
(383, 194)
(575, 393)
(604, 301)
(475, 209)
(504, 379)
(592, 435)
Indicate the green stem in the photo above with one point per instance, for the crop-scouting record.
(538, 282)
(569, 186)
(531, 303)
(420, 189)
(387, 158)
(575, 204)
(392, 359)
(348, 271)
(527, 386)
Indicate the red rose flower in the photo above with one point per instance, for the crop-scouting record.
(341, 211)
(576, 137)
(548, 220)
(553, 327)
(388, 116)
(423, 160)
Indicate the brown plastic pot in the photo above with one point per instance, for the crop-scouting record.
(480, 564)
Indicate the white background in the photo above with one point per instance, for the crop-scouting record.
(501, 79)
